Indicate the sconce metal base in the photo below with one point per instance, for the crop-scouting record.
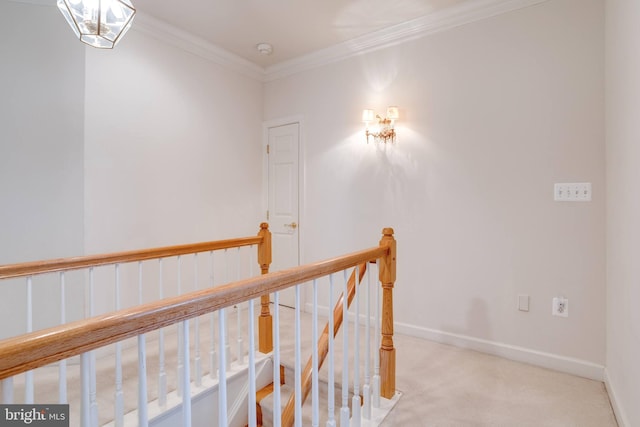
(384, 136)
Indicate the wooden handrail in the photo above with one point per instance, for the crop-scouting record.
(76, 263)
(288, 412)
(387, 276)
(26, 352)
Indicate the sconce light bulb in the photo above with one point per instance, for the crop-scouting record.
(380, 128)
(367, 116)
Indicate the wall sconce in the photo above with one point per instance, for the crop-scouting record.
(381, 129)
(98, 23)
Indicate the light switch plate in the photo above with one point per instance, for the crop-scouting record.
(523, 302)
(572, 192)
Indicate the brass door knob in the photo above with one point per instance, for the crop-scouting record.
(293, 225)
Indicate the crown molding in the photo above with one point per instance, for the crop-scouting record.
(184, 40)
(472, 11)
(464, 13)
(181, 39)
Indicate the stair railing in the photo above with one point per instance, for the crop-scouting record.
(83, 281)
(306, 378)
(385, 379)
(37, 349)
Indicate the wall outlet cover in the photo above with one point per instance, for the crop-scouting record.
(560, 307)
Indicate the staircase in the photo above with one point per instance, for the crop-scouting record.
(70, 350)
(266, 397)
(287, 389)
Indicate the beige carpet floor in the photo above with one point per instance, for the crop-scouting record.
(441, 386)
(446, 386)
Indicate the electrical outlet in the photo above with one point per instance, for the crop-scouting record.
(560, 307)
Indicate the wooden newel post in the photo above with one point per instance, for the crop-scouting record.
(387, 351)
(265, 321)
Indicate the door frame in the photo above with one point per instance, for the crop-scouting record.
(299, 119)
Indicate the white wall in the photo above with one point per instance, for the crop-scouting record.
(492, 115)
(41, 150)
(107, 150)
(41, 125)
(623, 208)
(172, 148)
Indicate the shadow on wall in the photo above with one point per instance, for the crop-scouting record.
(394, 175)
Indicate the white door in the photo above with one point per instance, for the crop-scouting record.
(283, 200)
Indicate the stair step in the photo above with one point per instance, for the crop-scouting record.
(287, 360)
(323, 385)
(267, 403)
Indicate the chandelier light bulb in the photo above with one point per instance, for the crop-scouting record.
(98, 23)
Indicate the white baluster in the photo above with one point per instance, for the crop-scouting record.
(375, 391)
(240, 343)
(355, 401)
(28, 387)
(92, 358)
(344, 410)
(94, 393)
(366, 388)
(62, 365)
(298, 367)
(213, 371)
(143, 415)
(222, 372)
(180, 335)
(143, 418)
(252, 368)
(227, 345)
(119, 395)
(7, 391)
(315, 416)
(252, 422)
(85, 398)
(140, 282)
(277, 408)
(331, 420)
(85, 368)
(186, 379)
(213, 355)
(196, 326)
(162, 374)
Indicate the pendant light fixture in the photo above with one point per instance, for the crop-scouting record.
(98, 23)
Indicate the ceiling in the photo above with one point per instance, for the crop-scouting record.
(293, 27)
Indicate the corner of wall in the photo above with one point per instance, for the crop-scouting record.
(621, 416)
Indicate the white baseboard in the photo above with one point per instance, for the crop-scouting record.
(621, 416)
(556, 362)
(569, 365)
